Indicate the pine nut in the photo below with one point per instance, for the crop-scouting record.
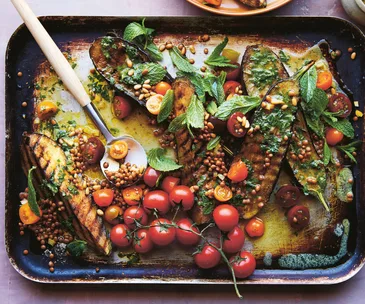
(192, 49)
(144, 72)
(353, 55)
(129, 63)
(137, 87)
(147, 81)
(169, 46)
(130, 72)
(284, 107)
(147, 86)
(294, 101)
(162, 47)
(100, 212)
(140, 97)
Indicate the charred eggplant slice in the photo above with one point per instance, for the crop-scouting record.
(125, 66)
(255, 3)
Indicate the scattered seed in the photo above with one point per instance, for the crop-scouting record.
(129, 63)
(284, 107)
(162, 47)
(203, 69)
(333, 91)
(130, 72)
(183, 51)
(25, 252)
(192, 49)
(294, 101)
(100, 212)
(350, 49)
(51, 269)
(20, 74)
(191, 60)
(144, 72)
(147, 86)
(353, 55)
(169, 46)
(205, 38)
(24, 104)
(147, 81)
(206, 51)
(106, 165)
(137, 87)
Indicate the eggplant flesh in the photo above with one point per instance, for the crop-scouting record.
(255, 3)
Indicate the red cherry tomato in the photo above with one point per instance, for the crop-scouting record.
(162, 87)
(142, 242)
(255, 227)
(230, 86)
(238, 171)
(119, 235)
(235, 126)
(169, 182)
(226, 217)
(133, 214)
(158, 200)
(243, 264)
(333, 136)
(151, 176)
(299, 217)
(93, 151)
(182, 195)
(122, 107)
(340, 102)
(209, 257)
(103, 197)
(233, 73)
(132, 195)
(324, 80)
(234, 241)
(160, 234)
(187, 237)
(287, 196)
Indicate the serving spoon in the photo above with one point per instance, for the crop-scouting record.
(136, 154)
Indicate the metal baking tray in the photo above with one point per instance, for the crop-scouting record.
(24, 55)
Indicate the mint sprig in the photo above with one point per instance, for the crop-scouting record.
(216, 59)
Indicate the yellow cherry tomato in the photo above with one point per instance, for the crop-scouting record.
(118, 149)
(232, 55)
(154, 103)
(162, 87)
(27, 216)
(46, 109)
(222, 193)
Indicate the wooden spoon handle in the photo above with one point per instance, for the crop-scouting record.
(53, 53)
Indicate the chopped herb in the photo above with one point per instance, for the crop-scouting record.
(283, 56)
(76, 248)
(181, 63)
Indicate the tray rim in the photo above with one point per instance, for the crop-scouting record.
(359, 253)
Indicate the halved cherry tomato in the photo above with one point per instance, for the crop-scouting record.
(182, 195)
(113, 214)
(120, 235)
(169, 182)
(333, 136)
(234, 240)
(158, 200)
(324, 80)
(151, 176)
(233, 73)
(255, 227)
(243, 264)
(238, 172)
(209, 257)
(298, 217)
(154, 103)
(340, 102)
(226, 217)
(103, 197)
(132, 195)
(118, 149)
(161, 233)
(214, 2)
(230, 54)
(27, 216)
(287, 196)
(122, 107)
(230, 86)
(162, 87)
(46, 109)
(184, 234)
(235, 124)
(93, 151)
(222, 193)
(142, 242)
(133, 214)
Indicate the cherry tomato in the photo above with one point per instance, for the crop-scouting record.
(230, 54)
(324, 80)
(154, 103)
(230, 86)
(220, 126)
(122, 107)
(132, 195)
(214, 2)
(27, 216)
(222, 193)
(255, 227)
(133, 214)
(234, 124)
(232, 73)
(287, 196)
(119, 235)
(113, 214)
(226, 217)
(333, 136)
(234, 241)
(243, 264)
(160, 234)
(143, 243)
(238, 172)
(182, 195)
(169, 182)
(209, 257)
(340, 102)
(162, 87)
(151, 176)
(46, 109)
(118, 149)
(93, 151)
(103, 197)
(298, 217)
(156, 199)
(187, 237)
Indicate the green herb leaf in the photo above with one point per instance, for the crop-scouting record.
(195, 113)
(318, 103)
(32, 195)
(349, 149)
(155, 74)
(213, 143)
(177, 123)
(215, 58)
(133, 30)
(237, 103)
(308, 83)
(158, 161)
(198, 82)
(181, 62)
(212, 108)
(316, 125)
(154, 51)
(283, 56)
(327, 154)
(166, 106)
(76, 248)
(342, 125)
(216, 87)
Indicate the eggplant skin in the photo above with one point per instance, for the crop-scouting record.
(255, 3)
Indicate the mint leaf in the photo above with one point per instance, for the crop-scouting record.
(317, 104)
(166, 106)
(177, 123)
(76, 248)
(155, 74)
(133, 30)
(181, 62)
(197, 81)
(158, 161)
(32, 195)
(342, 125)
(215, 58)
(212, 108)
(308, 83)
(327, 154)
(154, 51)
(195, 113)
(237, 103)
(315, 124)
(349, 149)
(213, 143)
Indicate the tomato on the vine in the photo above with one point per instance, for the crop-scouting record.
(243, 264)
(120, 235)
(182, 195)
(226, 217)
(156, 200)
(151, 177)
(234, 240)
(161, 232)
(208, 257)
(238, 172)
(142, 241)
(169, 182)
(184, 233)
(103, 197)
(133, 214)
(132, 195)
(255, 227)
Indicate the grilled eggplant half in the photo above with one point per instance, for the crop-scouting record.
(255, 3)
